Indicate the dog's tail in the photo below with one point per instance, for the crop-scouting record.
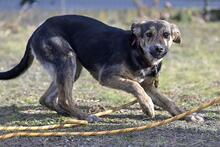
(20, 68)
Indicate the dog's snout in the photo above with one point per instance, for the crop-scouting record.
(159, 48)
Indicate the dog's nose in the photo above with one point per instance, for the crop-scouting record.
(159, 48)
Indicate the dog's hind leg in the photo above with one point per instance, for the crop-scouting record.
(58, 57)
(65, 77)
(49, 98)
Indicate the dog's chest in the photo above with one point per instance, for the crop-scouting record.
(141, 75)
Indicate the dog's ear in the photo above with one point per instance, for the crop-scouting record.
(176, 35)
(136, 29)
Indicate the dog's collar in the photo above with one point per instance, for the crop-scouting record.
(149, 72)
(155, 70)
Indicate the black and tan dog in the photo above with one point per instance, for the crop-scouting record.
(128, 60)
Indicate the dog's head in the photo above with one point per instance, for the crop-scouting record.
(155, 38)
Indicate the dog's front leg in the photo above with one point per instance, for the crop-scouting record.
(132, 87)
(166, 103)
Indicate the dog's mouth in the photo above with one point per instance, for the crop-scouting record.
(154, 60)
(152, 55)
(158, 55)
(155, 51)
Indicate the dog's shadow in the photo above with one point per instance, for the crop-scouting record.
(13, 114)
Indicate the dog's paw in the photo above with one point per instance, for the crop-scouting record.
(148, 109)
(197, 118)
(93, 118)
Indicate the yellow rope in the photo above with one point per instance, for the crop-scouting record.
(111, 132)
(36, 128)
(73, 121)
(67, 124)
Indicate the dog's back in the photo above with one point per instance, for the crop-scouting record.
(88, 38)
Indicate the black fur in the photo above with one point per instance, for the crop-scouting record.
(95, 44)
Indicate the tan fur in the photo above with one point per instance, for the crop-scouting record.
(134, 88)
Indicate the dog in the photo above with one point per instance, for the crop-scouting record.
(128, 60)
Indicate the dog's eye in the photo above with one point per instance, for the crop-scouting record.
(149, 34)
(166, 34)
